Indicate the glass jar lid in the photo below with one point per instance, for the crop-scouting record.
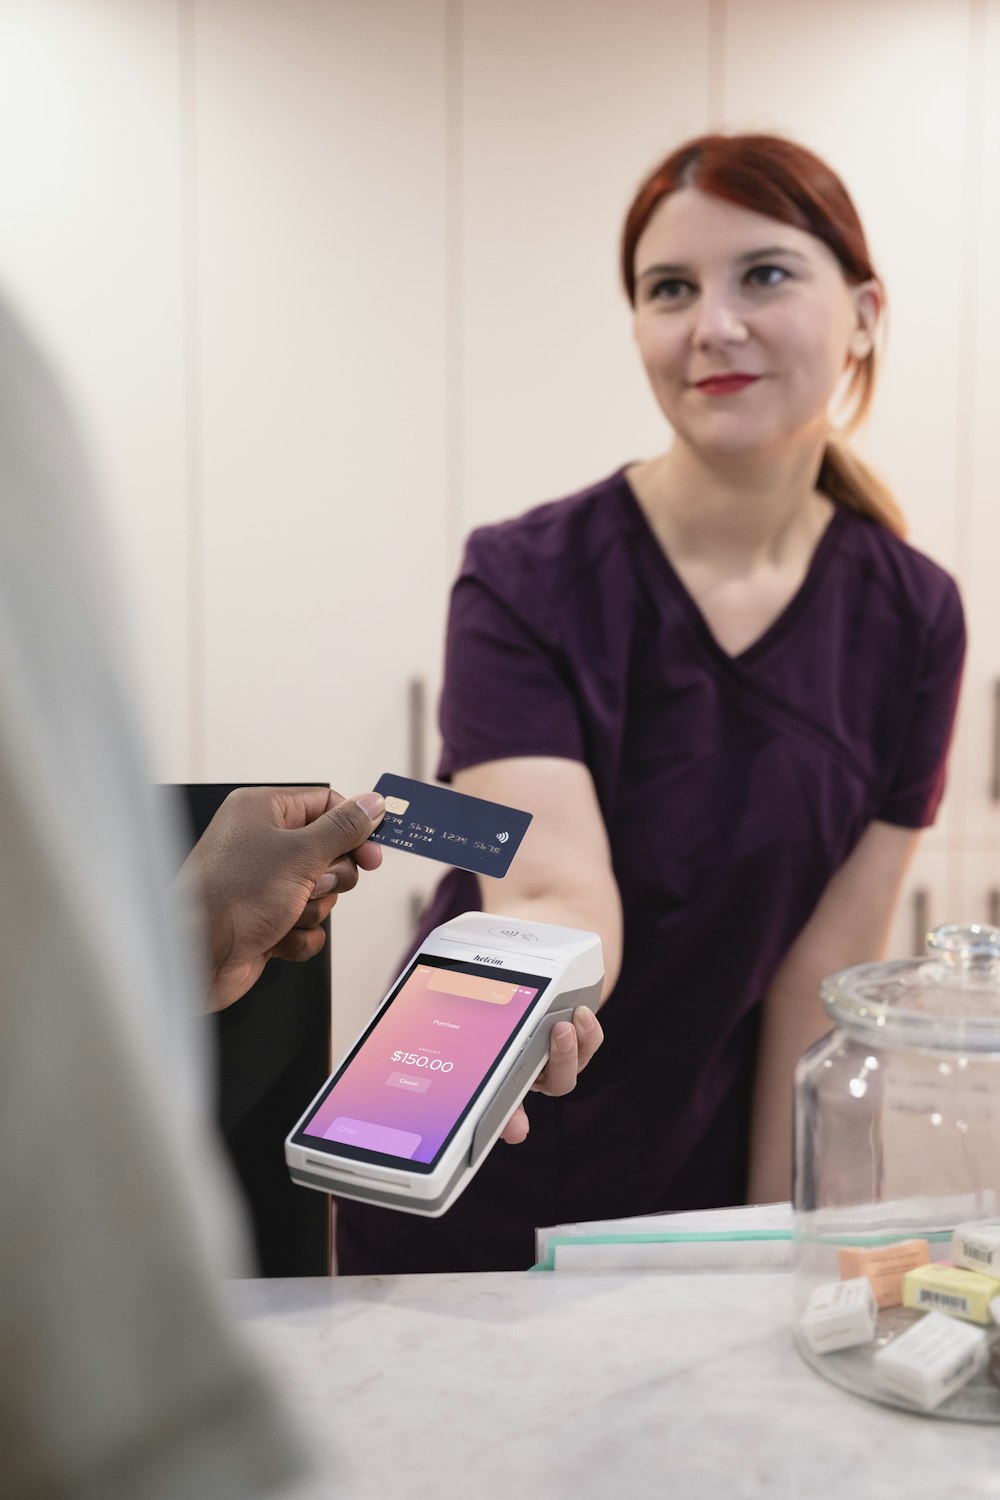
(950, 999)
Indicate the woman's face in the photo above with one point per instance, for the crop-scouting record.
(745, 325)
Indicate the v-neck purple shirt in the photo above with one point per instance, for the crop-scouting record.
(732, 789)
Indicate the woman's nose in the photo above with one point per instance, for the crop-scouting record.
(717, 322)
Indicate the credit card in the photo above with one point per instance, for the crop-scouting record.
(441, 824)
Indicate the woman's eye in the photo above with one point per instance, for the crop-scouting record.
(669, 289)
(767, 275)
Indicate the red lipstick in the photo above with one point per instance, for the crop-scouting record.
(725, 385)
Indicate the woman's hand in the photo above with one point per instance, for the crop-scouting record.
(571, 1046)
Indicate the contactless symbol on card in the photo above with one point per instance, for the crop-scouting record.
(441, 824)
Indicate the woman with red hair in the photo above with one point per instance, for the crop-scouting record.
(725, 686)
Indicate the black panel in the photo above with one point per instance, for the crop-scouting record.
(272, 1049)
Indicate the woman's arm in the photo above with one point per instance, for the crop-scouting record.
(562, 872)
(849, 926)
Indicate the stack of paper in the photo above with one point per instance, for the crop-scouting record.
(752, 1238)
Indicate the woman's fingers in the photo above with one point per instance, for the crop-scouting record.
(571, 1046)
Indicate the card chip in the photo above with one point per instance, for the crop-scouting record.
(396, 804)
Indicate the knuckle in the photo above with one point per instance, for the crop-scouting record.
(347, 874)
(303, 946)
(311, 915)
(351, 821)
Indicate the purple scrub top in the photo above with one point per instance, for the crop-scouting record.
(732, 789)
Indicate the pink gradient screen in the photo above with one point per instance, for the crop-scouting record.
(416, 1072)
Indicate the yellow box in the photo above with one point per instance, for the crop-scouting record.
(951, 1289)
(884, 1265)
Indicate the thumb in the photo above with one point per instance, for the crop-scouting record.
(342, 828)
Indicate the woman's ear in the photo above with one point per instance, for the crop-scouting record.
(868, 302)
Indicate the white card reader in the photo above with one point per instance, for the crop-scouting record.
(409, 1115)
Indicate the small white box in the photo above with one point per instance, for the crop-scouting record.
(932, 1360)
(977, 1246)
(839, 1315)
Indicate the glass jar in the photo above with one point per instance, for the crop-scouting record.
(897, 1144)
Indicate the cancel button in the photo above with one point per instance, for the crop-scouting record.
(407, 1081)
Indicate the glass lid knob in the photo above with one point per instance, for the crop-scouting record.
(966, 947)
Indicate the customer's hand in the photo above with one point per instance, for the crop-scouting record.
(571, 1046)
(268, 870)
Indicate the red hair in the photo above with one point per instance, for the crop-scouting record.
(783, 181)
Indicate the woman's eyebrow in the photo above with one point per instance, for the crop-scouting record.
(679, 268)
(663, 270)
(770, 250)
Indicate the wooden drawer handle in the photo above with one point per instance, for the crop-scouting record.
(921, 920)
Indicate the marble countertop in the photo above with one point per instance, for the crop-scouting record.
(521, 1386)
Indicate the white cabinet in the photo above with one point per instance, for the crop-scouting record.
(824, 75)
(978, 397)
(91, 259)
(552, 391)
(565, 108)
(881, 92)
(321, 171)
(332, 283)
(932, 894)
(979, 898)
(322, 314)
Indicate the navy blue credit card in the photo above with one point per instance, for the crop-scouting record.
(446, 825)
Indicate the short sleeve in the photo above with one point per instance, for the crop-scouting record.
(917, 786)
(508, 686)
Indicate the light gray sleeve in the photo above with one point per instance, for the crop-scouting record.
(122, 1373)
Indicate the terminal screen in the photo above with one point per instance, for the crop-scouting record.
(429, 1053)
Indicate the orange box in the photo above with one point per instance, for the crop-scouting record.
(884, 1265)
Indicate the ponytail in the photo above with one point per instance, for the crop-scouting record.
(850, 483)
(842, 475)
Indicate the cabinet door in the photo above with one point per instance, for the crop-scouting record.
(90, 256)
(978, 401)
(565, 108)
(980, 887)
(931, 896)
(865, 110)
(320, 250)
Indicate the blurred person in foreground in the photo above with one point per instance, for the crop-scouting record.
(123, 1373)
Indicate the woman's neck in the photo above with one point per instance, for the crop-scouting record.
(742, 510)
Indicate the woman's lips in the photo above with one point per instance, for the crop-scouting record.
(725, 385)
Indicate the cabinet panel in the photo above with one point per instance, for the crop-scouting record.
(565, 107)
(322, 307)
(980, 888)
(931, 896)
(320, 203)
(852, 81)
(982, 501)
(90, 255)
